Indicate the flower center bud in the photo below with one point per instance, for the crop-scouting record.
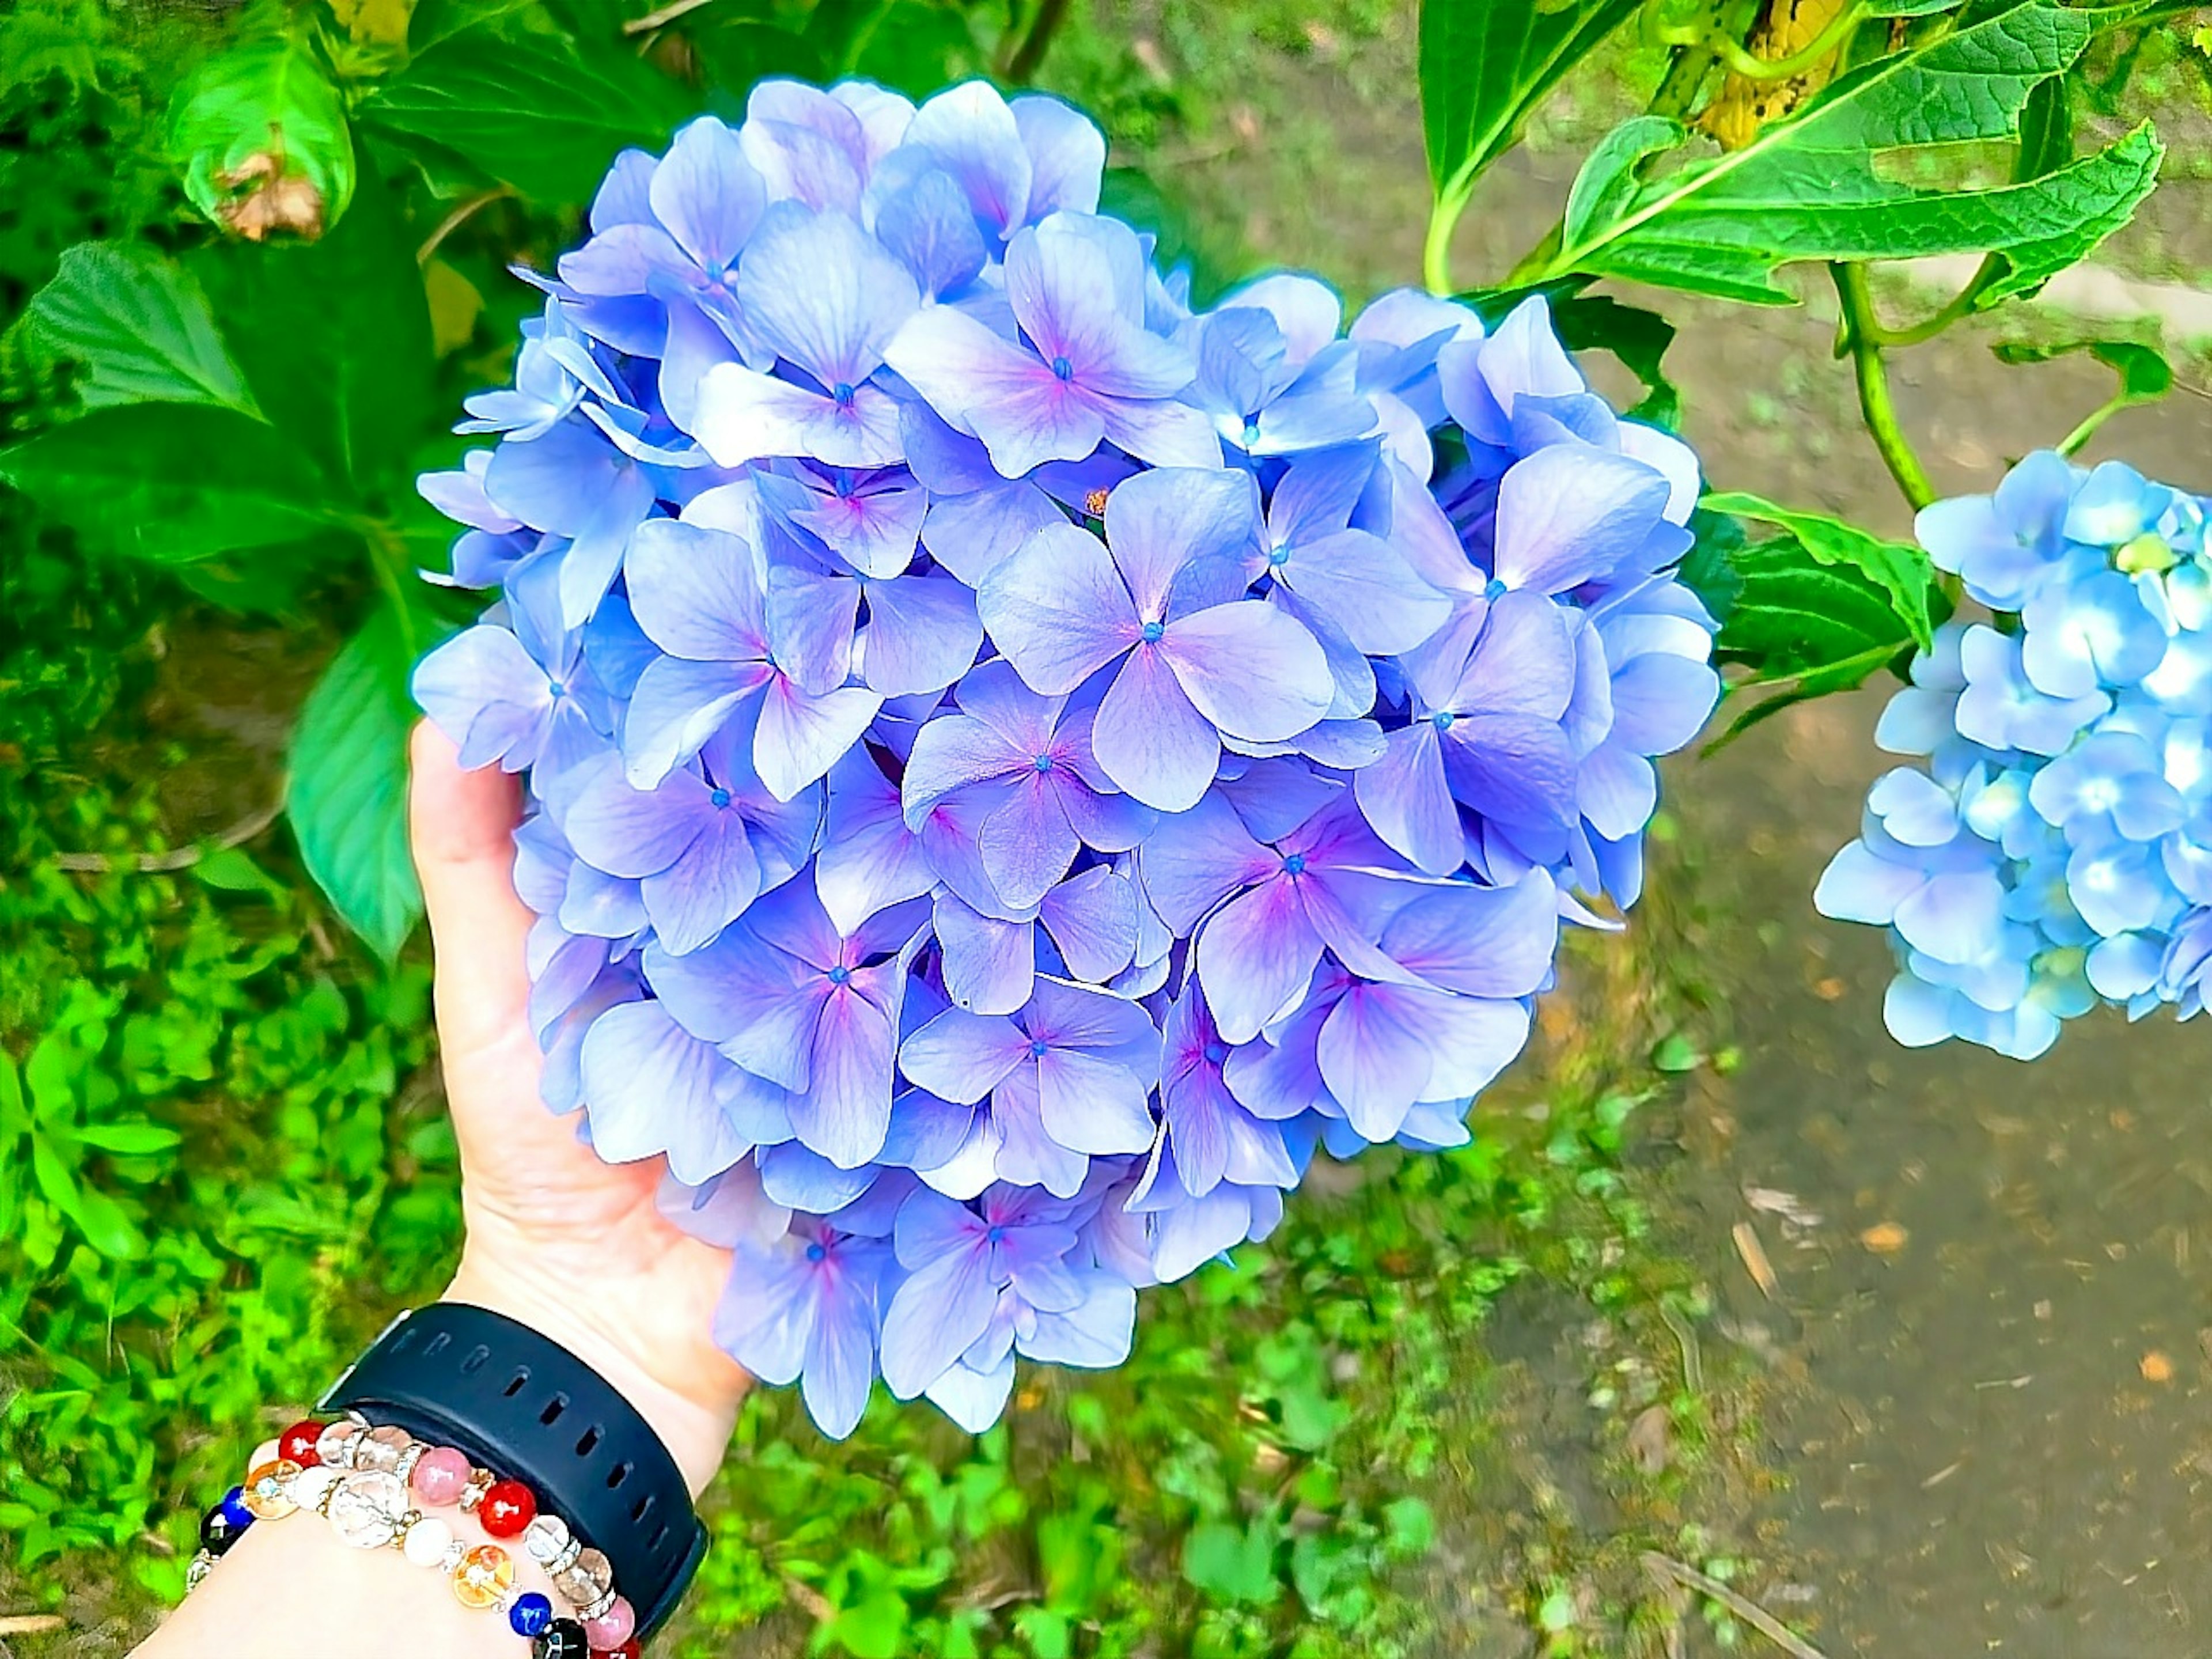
(1497, 589)
(1216, 1053)
(2146, 553)
(815, 1253)
(1295, 865)
(1062, 369)
(840, 974)
(1443, 719)
(1042, 762)
(1151, 631)
(1251, 432)
(1094, 503)
(1280, 557)
(719, 798)
(554, 689)
(995, 1235)
(842, 391)
(1039, 1049)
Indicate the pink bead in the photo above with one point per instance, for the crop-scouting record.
(440, 1475)
(611, 1628)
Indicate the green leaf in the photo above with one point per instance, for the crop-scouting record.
(1607, 181)
(1639, 338)
(129, 1139)
(2145, 376)
(347, 803)
(1907, 8)
(1902, 571)
(1232, 1564)
(171, 482)
(1485, 64)
(139, 328)
(334, 341)
(1808, 187)
(262, 135)
(1801, 624)
(528, 108)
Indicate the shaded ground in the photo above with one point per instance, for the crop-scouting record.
(1979, 1375)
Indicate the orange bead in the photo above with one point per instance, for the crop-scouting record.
(483, 1577)
(267, 1493)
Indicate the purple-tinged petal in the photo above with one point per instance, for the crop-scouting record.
(824, 295)
(922, 635)
(1569, 514)
(651, 1087)
(1480, 941)
(1093, 919)
(706, 193)
(1406, 798)
(1151, 738)
(1096, 1334)
(707, 887)
(1010, 398)
(972, 534)
(961, 1057)
(1360, 583)
(743, 414)
(846, 1110)
(989, 964)
(483, 691)
(677, 706)
(1253, 671)
(1197, 857)
(1092, 1105)
(973, 137)
(757, 1002)
(1158, 522)
(942, 1307)
(1026, 842)
(1057, 610)
(1256, 955)
(800, 736)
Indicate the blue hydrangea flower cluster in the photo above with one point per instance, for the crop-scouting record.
(1017, 765)
(2056, 850)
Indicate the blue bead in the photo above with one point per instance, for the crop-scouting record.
(235, 1511)
(531, 1613)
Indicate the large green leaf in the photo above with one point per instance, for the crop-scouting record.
(529, 109)
(1809, 188)
(171, 482)
(1484, 65)
(334, 341)
(138, 328)
(1901, 570)
(1803, 626)
(261, 133)
(348, 802)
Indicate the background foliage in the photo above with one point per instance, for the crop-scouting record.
(250, 258)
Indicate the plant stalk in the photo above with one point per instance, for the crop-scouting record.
(1872, 377)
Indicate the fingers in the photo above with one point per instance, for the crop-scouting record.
(461, 825)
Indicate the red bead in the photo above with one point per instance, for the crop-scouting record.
(297, 1443)
(628, 1651)
(507, 1508)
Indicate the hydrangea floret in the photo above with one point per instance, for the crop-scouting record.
(2052, 850)
(1018, 766)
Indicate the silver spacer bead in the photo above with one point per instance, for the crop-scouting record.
(480, 1482)
(409, 1459)
(598, 1607)
(456, 1553)
(203, 1563)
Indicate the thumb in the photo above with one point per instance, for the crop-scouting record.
(461, 825)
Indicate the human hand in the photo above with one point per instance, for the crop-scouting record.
(574, 1247)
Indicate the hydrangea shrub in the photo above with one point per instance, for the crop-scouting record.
(1017, 766)
(2053, 849)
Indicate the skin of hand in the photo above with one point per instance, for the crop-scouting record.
(571, 1246)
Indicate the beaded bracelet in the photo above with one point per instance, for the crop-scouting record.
(359, 1477)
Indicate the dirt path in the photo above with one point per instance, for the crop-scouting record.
(1988, 1413)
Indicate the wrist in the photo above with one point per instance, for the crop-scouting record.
(690, 1403)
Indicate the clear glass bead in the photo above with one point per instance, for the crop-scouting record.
(334, 1446)
(201, 1565)
(586, 1580)
(379, 1449)
(367, 1507)
(546, 1539)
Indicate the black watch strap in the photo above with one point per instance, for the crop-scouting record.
(520, 1404)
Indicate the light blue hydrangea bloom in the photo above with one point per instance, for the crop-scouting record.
(2055, 852)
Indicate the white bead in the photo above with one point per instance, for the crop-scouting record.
(312, 1485)
(264, 1453)
(426, 1542)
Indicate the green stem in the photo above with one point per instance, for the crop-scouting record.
(1930, 326)
(1839, 33)
(1436, 249)
(1873, 378)
(2072, 443)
